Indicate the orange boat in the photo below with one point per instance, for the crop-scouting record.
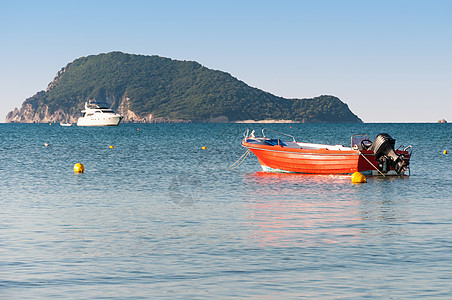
(370, 158)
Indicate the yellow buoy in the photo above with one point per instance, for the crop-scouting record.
(445, 152)
(358, 177)
(138, 128)
(111, 147)
(203, 147)
(79, 168)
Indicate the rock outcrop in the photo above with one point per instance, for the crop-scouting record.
(27, 114)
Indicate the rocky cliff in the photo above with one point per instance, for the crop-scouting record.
(27, 114)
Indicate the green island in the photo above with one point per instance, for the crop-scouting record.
(157, 89)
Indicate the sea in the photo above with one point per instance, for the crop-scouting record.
(156, 216)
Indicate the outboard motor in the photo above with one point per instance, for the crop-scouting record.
(385, 155)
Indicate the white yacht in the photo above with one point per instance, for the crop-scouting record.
(98, 114)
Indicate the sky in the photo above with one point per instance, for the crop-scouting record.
(389, 60)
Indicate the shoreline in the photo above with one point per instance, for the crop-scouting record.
(266, 121)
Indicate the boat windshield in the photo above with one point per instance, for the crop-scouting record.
(94, 105)
(357, 139)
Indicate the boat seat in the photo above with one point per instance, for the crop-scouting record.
(275, 142)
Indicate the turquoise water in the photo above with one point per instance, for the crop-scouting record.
(158, 217)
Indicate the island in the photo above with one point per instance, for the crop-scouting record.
(150, 89)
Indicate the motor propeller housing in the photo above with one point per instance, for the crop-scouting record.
(385, 155)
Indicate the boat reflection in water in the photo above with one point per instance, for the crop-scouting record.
(290, 209)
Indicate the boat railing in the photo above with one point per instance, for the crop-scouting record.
(263, 134)
(245, 134)
(96, 105)
(408, 149)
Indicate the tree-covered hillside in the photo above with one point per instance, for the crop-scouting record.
(174, 89)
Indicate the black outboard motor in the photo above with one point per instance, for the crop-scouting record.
(385, 155)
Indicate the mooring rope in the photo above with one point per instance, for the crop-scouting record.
(371, 163)
(240, 160)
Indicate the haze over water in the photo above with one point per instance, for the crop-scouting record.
(158, 217)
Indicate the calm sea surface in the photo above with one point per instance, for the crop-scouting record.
(158, 217)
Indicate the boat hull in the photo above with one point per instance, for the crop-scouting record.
(319, 161)
(99, 121)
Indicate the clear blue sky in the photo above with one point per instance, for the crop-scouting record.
(390, 61)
